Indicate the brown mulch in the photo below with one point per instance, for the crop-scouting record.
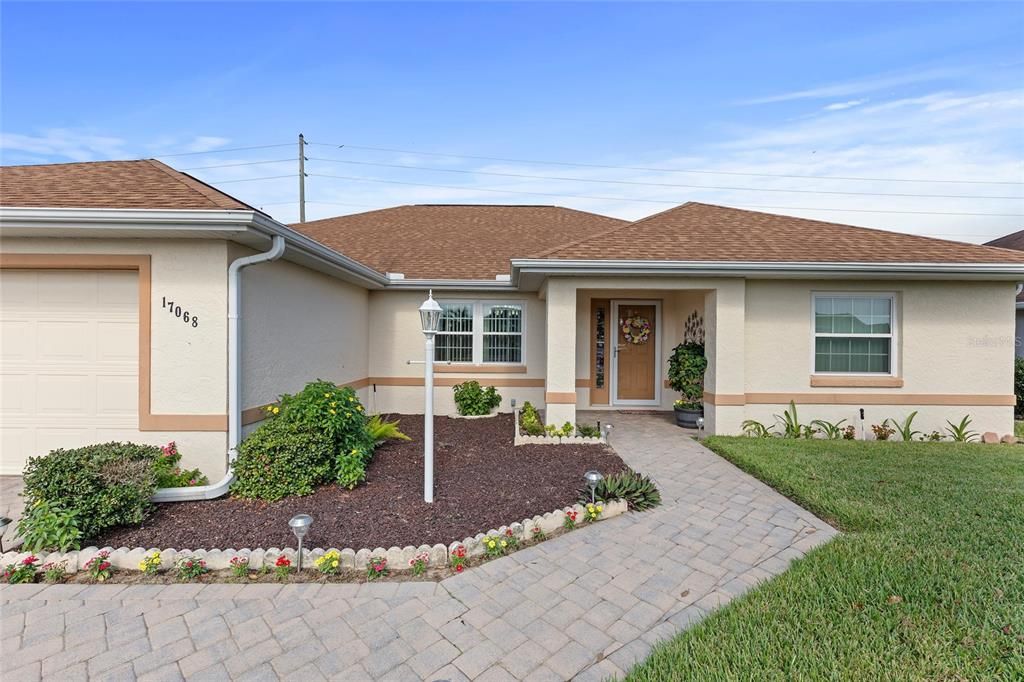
(481, 481)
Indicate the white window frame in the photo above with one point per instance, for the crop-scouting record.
(478, 306)
(893, 334)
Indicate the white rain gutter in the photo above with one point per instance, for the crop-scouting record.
(209, 492)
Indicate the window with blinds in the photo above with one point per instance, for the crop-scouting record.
(480, 332)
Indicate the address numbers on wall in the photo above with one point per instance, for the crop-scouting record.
(176, 310)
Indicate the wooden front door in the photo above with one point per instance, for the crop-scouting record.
(636, 359)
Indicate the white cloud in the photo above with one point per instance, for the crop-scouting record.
(65, 144)
(205, 143)
(859, 86)
(839, 106)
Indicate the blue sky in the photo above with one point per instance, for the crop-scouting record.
(917, 91)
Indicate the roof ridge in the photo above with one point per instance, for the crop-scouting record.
(208, 192)
(74, 163)
(548, 252)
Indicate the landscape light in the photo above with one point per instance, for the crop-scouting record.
(4, 522)
(592, 478)
(300, 524)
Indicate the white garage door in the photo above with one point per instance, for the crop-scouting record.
(69, 360)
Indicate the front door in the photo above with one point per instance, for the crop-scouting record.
(636, 353)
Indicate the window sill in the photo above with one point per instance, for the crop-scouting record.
(469, 368)
(822, 381)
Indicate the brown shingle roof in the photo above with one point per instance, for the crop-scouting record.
(445, 241)
(109, 184)
(703, 232)
(1014, 240)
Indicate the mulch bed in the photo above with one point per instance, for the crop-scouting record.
(481, 481)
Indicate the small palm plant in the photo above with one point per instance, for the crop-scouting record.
(961, 433)
(831, 430)
(755, 429)
(791, 426)
(905, 428)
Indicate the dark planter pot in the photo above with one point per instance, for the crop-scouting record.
(687, 417)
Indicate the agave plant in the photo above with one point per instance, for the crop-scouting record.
(961, 433)
(637, 490)
(831, 430)
(905, 428)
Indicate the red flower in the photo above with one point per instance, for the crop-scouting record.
(458, 569)
(105, 565)
(508, 532)
(28, 561)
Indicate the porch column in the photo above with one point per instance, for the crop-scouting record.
(724, 381)
(560, 383)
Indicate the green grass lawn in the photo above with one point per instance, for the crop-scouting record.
(1018, 428)
(926, 583)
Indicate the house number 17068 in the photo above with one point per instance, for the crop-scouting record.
(185, 316)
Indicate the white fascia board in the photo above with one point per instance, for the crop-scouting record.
(453, 284)
(13, 217)
(767, 269)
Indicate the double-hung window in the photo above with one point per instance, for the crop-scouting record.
(853, 334)
(480, 332)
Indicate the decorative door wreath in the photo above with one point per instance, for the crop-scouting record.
(636, 329)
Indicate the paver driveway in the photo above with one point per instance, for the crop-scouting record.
(588, 604)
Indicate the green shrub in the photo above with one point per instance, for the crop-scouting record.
(1018, 384)
(565, 431)
(472, 400)
(46, 526)
(381, 430)
(588, 430)
(529, 420)
(104, 485)
(282, 458)
(638, 491)
(335, 412)
(170, 475)
(686, 370)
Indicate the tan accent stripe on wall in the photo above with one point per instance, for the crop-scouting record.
(557, 398)
(725, 399)
(966, 400)
(141, 264)
(480, 369)
(856, 382)
(584, 383)
(452, 381)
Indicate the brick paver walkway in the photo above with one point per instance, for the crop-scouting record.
(585, 605)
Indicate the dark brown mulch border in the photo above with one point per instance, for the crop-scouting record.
(481, 481)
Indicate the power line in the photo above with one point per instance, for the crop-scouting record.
(219, 151)
(269, 177)
(649, 201)
(664, 170)
(234, 165)
(659, 184)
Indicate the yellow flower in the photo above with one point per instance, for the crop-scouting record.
(276, 410)
(327, 395)
(334, 563)
(504, 544)
(359, 407)
(333, 412)
(334, 404)
(600, 508)
(142, 565)
(490, 544)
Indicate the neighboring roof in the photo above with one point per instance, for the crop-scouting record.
(697, 232)
(1014, 240)
(145, 184)
(453, 241)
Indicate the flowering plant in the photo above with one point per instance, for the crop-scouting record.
(594, 511)
(190, 568)
(376, 567)
(55, 572)
(570, 519)
(150, 563)
(538, 534)
(329, 563)
(283, 566)
(419, 563)
(170, 475)
(21, 572)
(99, 568)
(458, 559)
(239, 566)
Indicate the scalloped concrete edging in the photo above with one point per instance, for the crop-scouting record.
(398, 557)
(524, 439)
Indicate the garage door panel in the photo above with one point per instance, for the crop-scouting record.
(70, 360)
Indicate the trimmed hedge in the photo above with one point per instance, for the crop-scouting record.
(105, 485)
(282, 458)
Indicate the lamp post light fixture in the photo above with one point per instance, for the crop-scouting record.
(300, 524)
(700, 424)
(430, 321)
(4, 522)
(592, 478)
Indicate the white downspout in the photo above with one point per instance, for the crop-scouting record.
(209, 492)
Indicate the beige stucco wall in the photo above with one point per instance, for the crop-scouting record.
(396, 338)
(953, 338)
(188, 364)
(298, 325)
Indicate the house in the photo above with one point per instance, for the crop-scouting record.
(139, 303)
(1014, 240)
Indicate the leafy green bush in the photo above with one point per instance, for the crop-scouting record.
(529, 420)
(686, 369)
(565, 431)
(472, 400)
(46, 526)
(588, 430)
(381, 430)
(104, 485)
(336, 412)
(638, 491)
(170, 475)
(282, 458)
(1018, 384)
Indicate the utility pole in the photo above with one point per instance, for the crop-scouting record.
(302, 178)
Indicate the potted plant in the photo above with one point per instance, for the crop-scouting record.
(686, 375)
